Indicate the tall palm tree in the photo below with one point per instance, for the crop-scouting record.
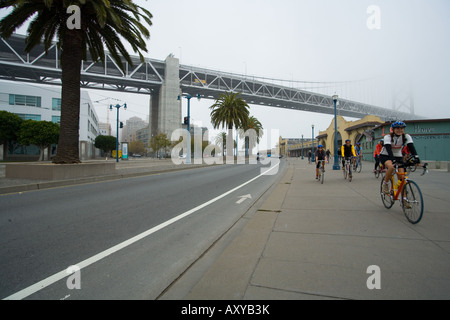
(251, 141)
(103, 22)
(229, 110)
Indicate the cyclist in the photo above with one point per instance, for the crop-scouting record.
(392, 152)
(358, 151)
(320, 155)
(347, 152)
(376, 154)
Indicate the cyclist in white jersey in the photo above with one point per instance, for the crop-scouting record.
(392, 151)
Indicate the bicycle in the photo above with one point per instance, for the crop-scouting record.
(411, 196)
(357, 166)
(348, 168)
(379, 171)
(321, 171)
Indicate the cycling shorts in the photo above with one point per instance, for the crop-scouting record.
(384, 158)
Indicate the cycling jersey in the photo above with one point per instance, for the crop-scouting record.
(358, 150)
(348, 151)
(378, 149)
(320, 155)
(396, 144)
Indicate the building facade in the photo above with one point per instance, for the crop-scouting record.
(353, 130)
(43, 103)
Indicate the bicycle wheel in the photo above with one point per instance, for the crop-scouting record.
(387, 199)
(359, 166)
(349, 174)
(322, 175)
(377, 172)
(345, 171)
(412, 202)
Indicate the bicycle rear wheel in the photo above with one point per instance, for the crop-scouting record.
(412, 202)
(377, 172)
(387, 199)
(359, 167)
(322, 175)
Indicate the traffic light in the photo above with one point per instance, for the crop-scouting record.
(186, 120)
(121, 124)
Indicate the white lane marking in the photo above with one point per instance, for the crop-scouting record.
(243, 198)
(22, 294)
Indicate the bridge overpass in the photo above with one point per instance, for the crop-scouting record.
(165, 80)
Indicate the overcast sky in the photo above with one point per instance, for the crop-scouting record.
(307, 40)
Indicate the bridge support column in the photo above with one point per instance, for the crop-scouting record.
(165, 109)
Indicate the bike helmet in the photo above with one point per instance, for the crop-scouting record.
(398, 124)
(320, 146)
(348, 140)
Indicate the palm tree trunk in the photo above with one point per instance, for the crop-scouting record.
(230, 145)
(68, 144)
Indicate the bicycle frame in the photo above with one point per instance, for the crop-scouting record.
(398, 190)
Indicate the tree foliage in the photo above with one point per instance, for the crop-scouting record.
(9, 126)
(105, 143)
(40, 133)
(159, 142)
(229, 111)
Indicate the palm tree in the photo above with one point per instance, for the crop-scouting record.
(229, 110)
(251, 141)
(103, 22)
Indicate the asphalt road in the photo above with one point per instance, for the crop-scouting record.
(44, 232)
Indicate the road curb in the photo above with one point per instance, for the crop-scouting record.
(71, 182)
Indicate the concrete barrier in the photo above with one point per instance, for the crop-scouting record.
(50, 171)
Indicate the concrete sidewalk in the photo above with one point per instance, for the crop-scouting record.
(313, 241)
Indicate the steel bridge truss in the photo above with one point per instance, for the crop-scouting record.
(211, 83)
(43, 67)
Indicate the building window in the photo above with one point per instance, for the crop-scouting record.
(56, 119)
(36, 117)
(56, 104)
(20, 100)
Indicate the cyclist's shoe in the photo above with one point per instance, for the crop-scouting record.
(406, 203)
(317, 177)
(386, 188)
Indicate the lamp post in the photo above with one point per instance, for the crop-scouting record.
(188, 97)
(313, 159)
(302, 147)
(117, 106)
(336, 165)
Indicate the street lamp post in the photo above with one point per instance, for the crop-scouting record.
(313, 159)
(336, 165)
(117, 106)
(302, 147)
(188, 97)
